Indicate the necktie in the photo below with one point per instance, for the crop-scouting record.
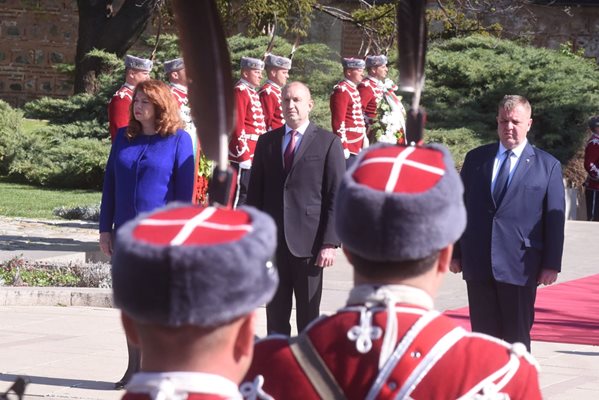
(501, 181)
(289, 152)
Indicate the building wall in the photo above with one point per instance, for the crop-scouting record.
(35, 35)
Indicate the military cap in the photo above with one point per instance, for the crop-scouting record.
(189, 265)
(376, 61)
(277, 61)
(594, 122)
(173, 65)
(400, 203)
(251, 63)
(138, 63)
(353, 63)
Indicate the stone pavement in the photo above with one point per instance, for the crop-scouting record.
(77, 352)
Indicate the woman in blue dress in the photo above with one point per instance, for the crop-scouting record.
(150, 164)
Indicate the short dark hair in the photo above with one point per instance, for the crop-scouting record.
(379, 270)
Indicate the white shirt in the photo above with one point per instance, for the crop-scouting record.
(298, 139)
(499, 157)
(176, 385)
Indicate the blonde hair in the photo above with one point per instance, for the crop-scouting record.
(168, 119)
(511, 101)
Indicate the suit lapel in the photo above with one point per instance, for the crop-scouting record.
(304, 144)
(487, 171)
(277, 145)
(527, 159)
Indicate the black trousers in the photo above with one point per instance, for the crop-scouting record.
(592, 198)
(502, 310)
(296, 275)
(241, 186)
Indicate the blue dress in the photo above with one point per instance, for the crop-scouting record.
(144, 174)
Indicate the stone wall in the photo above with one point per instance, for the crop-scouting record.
(34, 37)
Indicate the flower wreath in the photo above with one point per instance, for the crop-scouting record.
(389, 125)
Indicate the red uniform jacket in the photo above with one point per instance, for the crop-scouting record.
(591, 162)
(118, 109)
(250, 123)
(371, 92)
(430, 357)
(347, 118)
(270, 98)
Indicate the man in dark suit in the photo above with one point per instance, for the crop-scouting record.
(514, 197)
(295, 174)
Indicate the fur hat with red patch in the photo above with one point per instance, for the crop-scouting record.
(400, 203)
(142, 64)
(188, 265)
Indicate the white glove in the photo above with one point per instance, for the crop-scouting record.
(247, 164)
(346, 153)
(366, 142)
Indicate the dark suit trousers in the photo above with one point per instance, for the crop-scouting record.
(502, 310)
(299, 275)
(592, 198)
(241, 186)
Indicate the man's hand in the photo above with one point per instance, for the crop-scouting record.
(106, 243)
(326, 256)
(455, 265)
(547, 277)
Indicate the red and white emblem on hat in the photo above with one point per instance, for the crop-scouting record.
(193, 226)
(400, 169)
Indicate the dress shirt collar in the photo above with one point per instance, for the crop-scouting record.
(129, 86)
(273, 84)
(179, 86)
(246, 83)
(169, 383)
(301, 130)
(517, 151)
(350, 83)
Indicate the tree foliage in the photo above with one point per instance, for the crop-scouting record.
(114, 31)
(467, 77)
(261, 15)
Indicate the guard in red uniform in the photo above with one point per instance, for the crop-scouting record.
(175, 73)
(277, 72)
(372, 87)
(136, 70)
(591, 164)
(398, 212)
(188, 280)
(250, 124)
(347, 117)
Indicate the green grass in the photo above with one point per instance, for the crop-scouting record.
(18, 200)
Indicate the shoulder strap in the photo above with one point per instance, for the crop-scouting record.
(315, 368)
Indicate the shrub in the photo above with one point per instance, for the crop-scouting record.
(58, 162)
(19, 272)
(467, 77)
(86, 213)
(10, 132)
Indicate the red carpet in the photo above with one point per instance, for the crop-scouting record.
(564, 313)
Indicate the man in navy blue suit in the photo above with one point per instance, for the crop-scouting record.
(513, 242)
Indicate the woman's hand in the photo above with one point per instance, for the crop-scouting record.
(106, 243)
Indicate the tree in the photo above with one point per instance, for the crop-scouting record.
(102, 28)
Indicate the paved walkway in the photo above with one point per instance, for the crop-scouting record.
(78, 352)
